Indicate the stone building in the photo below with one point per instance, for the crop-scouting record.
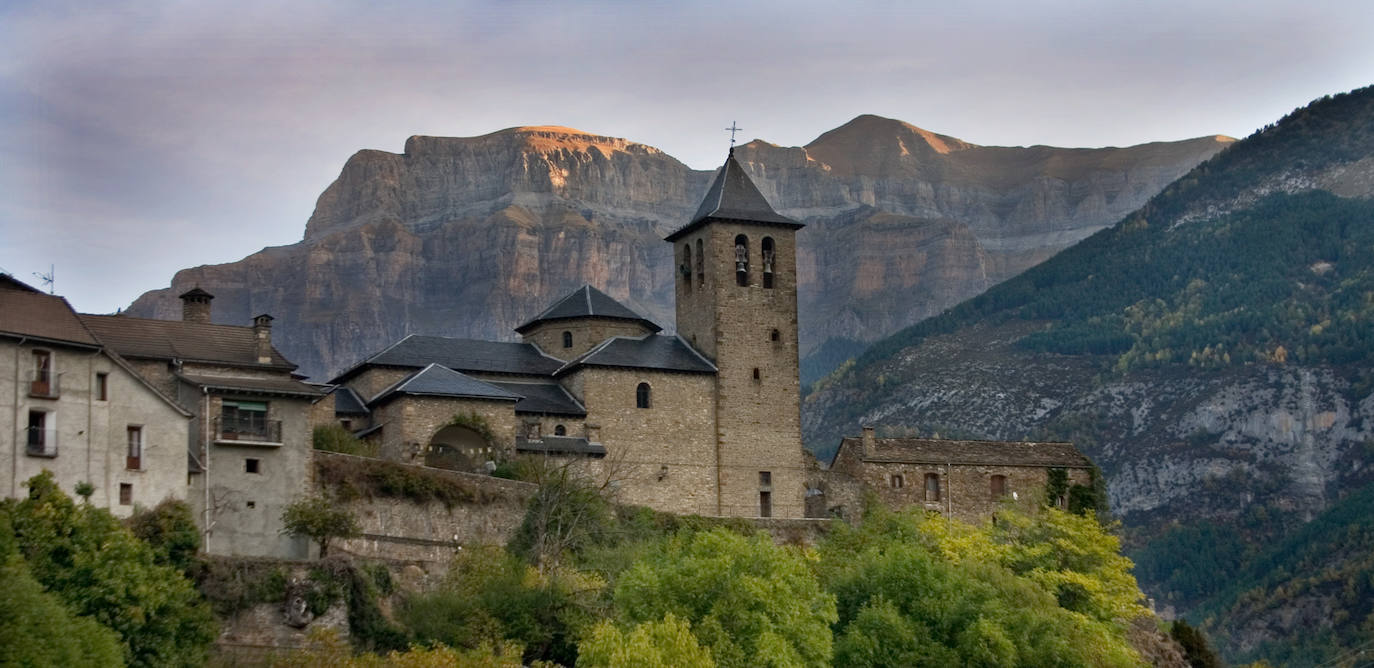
(967, 480)
(704, 421)
(249, 438)
(74, 406)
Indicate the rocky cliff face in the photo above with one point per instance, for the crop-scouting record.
(470, 236)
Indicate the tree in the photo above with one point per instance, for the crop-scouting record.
(320, 519)
(752, 602)
(171, 530)
(567, 513)
(83, 555)
(664, 644)
(36, 628)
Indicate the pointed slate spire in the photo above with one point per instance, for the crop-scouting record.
(733, 196)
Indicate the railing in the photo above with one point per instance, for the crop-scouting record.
(45, 384)
(41, 441)
(257, 430)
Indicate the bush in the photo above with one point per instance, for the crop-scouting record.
(321, 519)
(334, 438)
(171, 531)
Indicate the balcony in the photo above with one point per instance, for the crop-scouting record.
(45, 384)
(40, 442)
(247, 431)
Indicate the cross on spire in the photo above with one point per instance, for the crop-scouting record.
(733, 129)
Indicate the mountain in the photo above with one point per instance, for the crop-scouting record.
(470, 236)
(1213, 352)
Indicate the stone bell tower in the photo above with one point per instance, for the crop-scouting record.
(736, 292)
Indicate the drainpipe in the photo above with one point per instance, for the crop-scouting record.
(949, 490)
(205, 462)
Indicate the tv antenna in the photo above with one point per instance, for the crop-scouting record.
(49, 279)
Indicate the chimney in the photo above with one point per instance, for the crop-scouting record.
(262, 336)
(867, 444)
(195, 306)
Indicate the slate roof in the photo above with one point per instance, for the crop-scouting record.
(439, 381)
(28, 313)
(733, 196)
(560, 445)
(278, 386)
(988, 453)
(347, 402)
(175, 339)
(548, 398)
(587, 302)
(465, 355)
(654, 351)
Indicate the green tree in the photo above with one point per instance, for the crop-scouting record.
(100, 570)
(320, 519)
(36, 628)
(664, 644)
(1196, 649)
(171, 530)
(752, 602)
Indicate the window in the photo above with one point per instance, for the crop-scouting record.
(134, 459)
(247, 421)
(775, 336)
(765, 504)
(998, 486)
(44, 382)
(765, 479)
(102, 385)
(567, 339)
(742, 260)
(532, 431)
(756, 373)
(701, 264)
(252, 465)
(560, 430)
(347, 424)
(126, 494)
(932, 487)
(896, 481)
(642, 398)
(686, 268)
(41, 438)
(252, 504)
(767, 247)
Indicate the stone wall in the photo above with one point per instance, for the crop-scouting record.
(751, 333)
(370, 382)
(586, 334)
(410, 422)
(663, 456)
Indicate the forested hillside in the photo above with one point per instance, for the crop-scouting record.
(1213, 352)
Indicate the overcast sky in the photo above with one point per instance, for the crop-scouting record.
(144, 137)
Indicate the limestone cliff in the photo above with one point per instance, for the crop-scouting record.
(469, 236)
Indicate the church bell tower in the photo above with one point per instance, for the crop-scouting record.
(736, 293)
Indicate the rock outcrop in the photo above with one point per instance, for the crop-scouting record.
(469, 236)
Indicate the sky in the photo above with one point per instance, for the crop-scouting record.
(144, 137)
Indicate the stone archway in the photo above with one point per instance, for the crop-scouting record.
(457, 448)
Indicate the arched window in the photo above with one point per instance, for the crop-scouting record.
(686, 268)
(642, 398)
(775, 336)
(767, 246)
(756, 373)
(567, 339)
(998, 486)
(932, 487)
(701, 264)
(560, 430)
(742, 260)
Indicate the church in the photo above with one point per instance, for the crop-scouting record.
(705, 421)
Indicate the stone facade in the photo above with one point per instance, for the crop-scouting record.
(85, 432)
(410, 423)
(967, 480)
(583, 334)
